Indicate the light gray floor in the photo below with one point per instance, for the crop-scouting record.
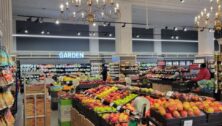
(19, 115)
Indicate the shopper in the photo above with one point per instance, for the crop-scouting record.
(204, 74)
(104, 72)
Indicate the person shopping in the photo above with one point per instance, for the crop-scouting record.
(203, 74)
(104, 72)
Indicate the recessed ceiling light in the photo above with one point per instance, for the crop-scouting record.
(177, 37)
(57, 22)
(172, 37)
(26, 31)
(94, 24)
(78, 33)
(42, 32)
(138, 36)
(185, 29)
(182, 1)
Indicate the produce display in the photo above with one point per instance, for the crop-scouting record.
(125, 100)
(209, 106)
(116, 95)
(176, 109)
(7, 119)
(121, 118)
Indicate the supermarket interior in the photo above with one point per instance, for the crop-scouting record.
(110, 63)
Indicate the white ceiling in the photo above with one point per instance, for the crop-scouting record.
(160, 12)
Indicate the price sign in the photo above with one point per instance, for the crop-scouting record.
(119, 107)
(169, 94)
(188, 123)
(102, 100)
(111, 104)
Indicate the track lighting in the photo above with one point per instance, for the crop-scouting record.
(185, 29)
(104, 24)
(172, 37)
(41, 20)
(124, 25)
(166, 28)
(109, 24)
(29, 19)
(37, 20)
(182, 1)
(175, 29)
(48, 33)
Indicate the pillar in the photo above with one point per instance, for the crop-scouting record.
(94, 43)
(6, 23)
(205, 43)
(157, 42)
(124, 34)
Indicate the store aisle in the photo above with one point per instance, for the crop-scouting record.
(19, 115)
(54, 118)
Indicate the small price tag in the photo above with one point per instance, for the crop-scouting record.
(128, 111)
(111, 104)
(119, 107)
(102, 100)
(169, 94)
(188, 123)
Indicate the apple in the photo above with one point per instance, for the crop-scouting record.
(171, 108)
(190, 113)
(168, 116)
(162, 111)
(209, 110)
(184, 114)
(197, 112)
(176, 114)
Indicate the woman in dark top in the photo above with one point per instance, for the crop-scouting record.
(104, 72)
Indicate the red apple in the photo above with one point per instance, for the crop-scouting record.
(184, 114)
(176, 114)
(168, 116)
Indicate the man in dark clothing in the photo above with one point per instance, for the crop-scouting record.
(104, 72)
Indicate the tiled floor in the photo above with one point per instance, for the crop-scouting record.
(19, 115)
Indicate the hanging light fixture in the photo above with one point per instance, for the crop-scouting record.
(210, 18)
(90, 10)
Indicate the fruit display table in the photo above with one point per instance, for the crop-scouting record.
(108, 105)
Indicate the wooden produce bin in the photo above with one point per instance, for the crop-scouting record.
(39, 110)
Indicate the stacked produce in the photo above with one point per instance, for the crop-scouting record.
(7, 119)
(116, 95)
(176, 109)
(121, 119)
(125, 100)
(209, 106)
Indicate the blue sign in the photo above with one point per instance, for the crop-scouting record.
(115, 59)
(71, 55)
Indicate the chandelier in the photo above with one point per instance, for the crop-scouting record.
(90, 10)
(210, 18)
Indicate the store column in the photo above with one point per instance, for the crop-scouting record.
(157, 42)
(94, 43)
(123, 31)
(205, 43)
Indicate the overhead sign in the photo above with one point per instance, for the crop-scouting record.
(71, 55)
